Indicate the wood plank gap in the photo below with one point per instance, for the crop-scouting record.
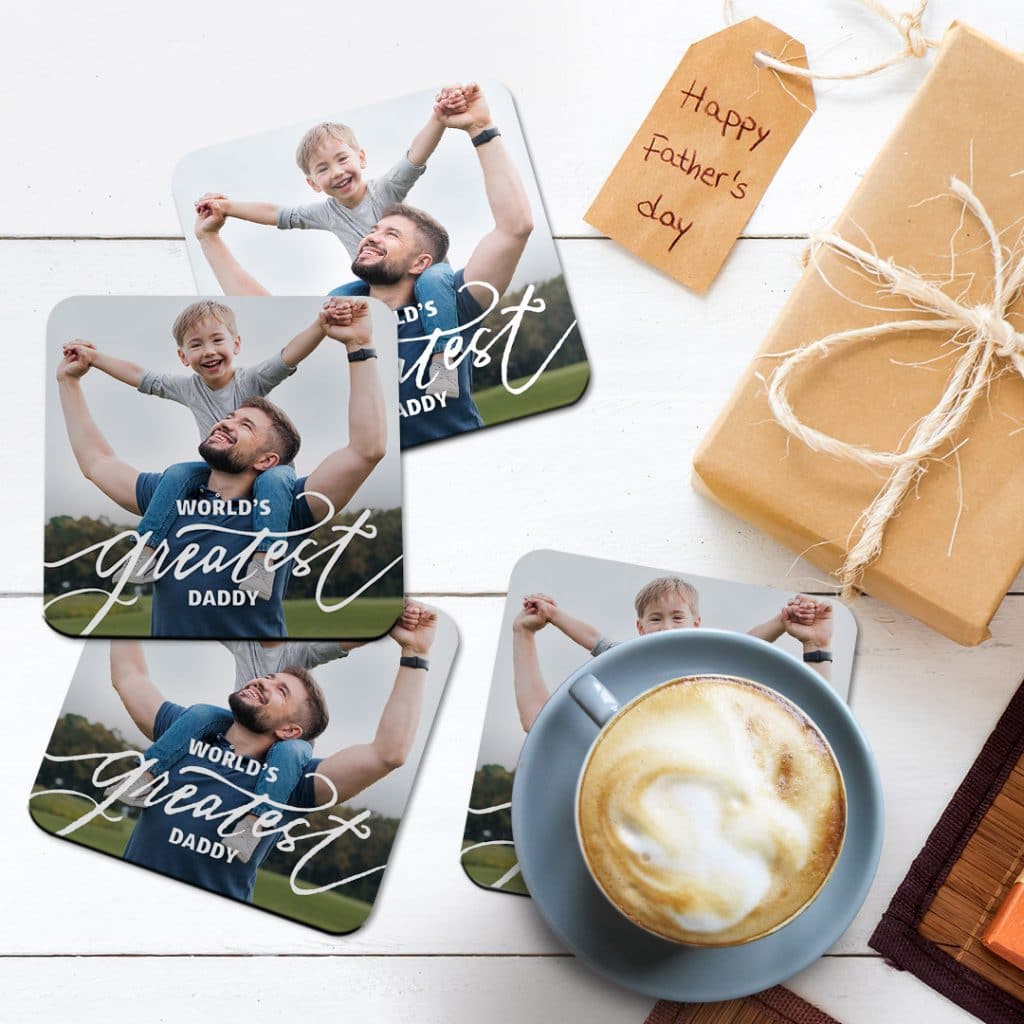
(334, 955)
(181, 238)
(465, 593)
(92, 238)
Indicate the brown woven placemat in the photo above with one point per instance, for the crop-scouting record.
(774, 1006)
(934, 922)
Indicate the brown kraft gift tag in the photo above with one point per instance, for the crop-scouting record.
(704, 156)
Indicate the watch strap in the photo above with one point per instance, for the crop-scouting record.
(815, 657)
(362, 353)
(410, 661)
(485, 136)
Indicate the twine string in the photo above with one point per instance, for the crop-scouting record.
(908, 24)
(986, 341)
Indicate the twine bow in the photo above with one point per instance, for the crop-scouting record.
(987, 340)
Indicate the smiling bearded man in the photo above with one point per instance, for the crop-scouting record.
(190, 809)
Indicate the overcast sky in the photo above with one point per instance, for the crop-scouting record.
(193, 671)
(262, 167)
(601, 593)
(151, 433)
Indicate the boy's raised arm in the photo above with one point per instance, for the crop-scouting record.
(98, 462)
(575, 629)
(254, 212)
(799, 610)
(450, 101)
(130, 677)
(771, 630)
(120, 369)
(426, 139)
(303, 344)
(232, 277)
(343, 472)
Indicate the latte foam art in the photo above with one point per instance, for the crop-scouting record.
(711, 811)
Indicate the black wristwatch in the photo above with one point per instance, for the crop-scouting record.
(814, 657)
(485, 136)
(410, 661)
(362, 353)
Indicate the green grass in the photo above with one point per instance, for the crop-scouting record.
(486, 865)
(367, 617)
(330, 910)
(554, 389)
(52, 813)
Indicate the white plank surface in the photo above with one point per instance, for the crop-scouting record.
(425, 990)
(102, 101)
(127, 99)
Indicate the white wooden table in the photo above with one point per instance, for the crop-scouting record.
(100, 101)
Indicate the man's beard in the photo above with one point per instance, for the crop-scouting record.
(249, 716)
(381, 272)
(224, 460)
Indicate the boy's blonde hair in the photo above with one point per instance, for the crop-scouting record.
(315, 138)
(191, 315)
(668, 585)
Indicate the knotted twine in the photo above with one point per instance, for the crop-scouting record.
(908, 25)
(988, 342)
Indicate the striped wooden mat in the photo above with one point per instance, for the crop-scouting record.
(775, 1006)
(977, 883)
(934, 923)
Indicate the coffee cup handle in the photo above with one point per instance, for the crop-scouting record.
(595, 698)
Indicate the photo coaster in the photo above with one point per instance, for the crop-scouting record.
(224, 716)
(585, 605)
(486, 328)
(262, 500)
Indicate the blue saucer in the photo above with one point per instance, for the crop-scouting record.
(567, 897)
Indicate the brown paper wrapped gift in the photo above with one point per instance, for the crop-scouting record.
(957, 540)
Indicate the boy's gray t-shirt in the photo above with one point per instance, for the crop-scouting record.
(352, 226)
(603, 644)
(252, 660)
(208, 406)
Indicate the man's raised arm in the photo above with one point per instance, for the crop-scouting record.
(232, 277)
(130, 676)
(343, 472)
(96, 459)
(497, 254)
(353, 769)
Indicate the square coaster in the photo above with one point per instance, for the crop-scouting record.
(575, 607)
(262, 500)
(234, 728)
(487, 331)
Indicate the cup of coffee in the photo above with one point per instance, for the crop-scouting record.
(710, 810)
